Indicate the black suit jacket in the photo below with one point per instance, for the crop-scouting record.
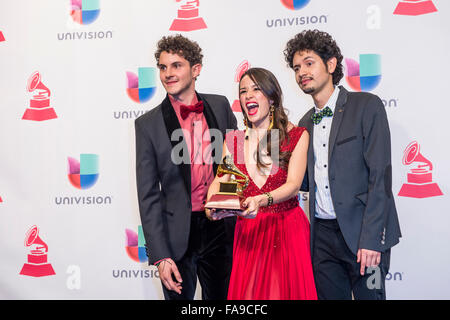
(360, 172)
(164, 188)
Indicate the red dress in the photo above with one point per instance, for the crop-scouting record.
(271, 253)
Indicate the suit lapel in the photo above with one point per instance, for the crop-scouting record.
(172, 124)
(337, 119)
(208, 112)
(310, 128)
(211, 120)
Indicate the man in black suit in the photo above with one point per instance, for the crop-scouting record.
(353, 217)
(178, 146)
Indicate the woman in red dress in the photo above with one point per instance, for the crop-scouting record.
(271, 253)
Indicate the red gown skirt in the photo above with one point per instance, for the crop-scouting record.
(271, 258)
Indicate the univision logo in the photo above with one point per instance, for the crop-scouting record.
(85, 11)
(135, 249)
(394, 276)
(141, 87)
(365, 75)
(295, 4)
(83, 174)
(135, 245)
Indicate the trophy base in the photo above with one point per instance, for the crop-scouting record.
(420, 190)
(225, 201)
(37, 270)
(414, 9)
(188, 24)
(39, 114)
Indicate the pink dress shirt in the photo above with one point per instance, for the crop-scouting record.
(196, 134)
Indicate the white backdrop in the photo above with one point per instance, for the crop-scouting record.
(83, 66)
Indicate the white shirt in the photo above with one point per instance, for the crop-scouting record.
(324, 204)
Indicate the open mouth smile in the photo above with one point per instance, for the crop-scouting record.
(252, 108)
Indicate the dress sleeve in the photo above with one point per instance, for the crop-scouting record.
(294, 137)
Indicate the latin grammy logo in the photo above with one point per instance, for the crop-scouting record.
(414, 7)
(39, 109)
(188, 18)
(420, 182)
(241, 69)
(37, 265)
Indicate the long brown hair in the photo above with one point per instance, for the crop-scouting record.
(268, 84)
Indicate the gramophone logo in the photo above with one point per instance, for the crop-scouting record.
(135, 245)
(37, 265)
(365, 75)
(141, 87)
(2, 38)
(240, 70)
(188, 18)
(414, 7)
(39, 108)
(295, 4)
(420, 181)
(85, 11)
(83, 174)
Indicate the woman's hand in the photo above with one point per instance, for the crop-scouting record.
(252, 204)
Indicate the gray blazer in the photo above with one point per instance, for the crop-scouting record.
(360, 172)
(164, 188)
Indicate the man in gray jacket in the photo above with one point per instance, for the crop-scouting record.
(353, 217)
(174, 169)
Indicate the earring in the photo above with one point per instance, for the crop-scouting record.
(246, 128)
(272, 110)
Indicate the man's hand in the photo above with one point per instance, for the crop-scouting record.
(368, 258)
(214, 214)
(166, 268)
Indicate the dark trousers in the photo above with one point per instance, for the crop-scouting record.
(336, 273)
(209, 256)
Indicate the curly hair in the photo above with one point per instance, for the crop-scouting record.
(321, 43)
(177, 44)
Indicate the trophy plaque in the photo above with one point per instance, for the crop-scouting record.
(229, 196)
